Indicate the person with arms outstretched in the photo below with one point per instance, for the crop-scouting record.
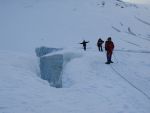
(84, 44)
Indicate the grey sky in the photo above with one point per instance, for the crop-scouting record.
(139, 1)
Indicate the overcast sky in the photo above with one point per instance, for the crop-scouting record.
(139, 1)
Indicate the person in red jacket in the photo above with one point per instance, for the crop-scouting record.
(109, 46)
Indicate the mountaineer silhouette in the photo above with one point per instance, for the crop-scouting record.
(109, 47)
(84, 43)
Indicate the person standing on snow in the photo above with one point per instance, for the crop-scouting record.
(84, 44)
(99, 44)
(109, 46)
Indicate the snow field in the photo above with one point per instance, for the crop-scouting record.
(89, 85)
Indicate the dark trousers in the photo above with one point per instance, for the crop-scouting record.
(100, 48)
(109, 55)
(84, 48)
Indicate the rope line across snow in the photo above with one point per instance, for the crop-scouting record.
(119, 74)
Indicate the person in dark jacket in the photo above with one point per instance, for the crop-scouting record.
(84, 44)
(109, 46)
(99, 44)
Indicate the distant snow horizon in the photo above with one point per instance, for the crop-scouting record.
(138, 1)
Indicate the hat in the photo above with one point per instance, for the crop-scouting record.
(109, 38)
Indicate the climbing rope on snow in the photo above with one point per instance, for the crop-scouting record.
(119, 74)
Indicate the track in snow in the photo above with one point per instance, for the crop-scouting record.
(143, 21)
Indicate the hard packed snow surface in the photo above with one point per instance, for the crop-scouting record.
(88, 84)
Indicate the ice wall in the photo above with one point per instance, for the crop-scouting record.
(41, 51)
(51, 68)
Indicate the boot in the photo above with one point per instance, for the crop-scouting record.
(111, 62)
(107, 62)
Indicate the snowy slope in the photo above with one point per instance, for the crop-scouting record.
(89, 85)
(93, 87)
(31, 23)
